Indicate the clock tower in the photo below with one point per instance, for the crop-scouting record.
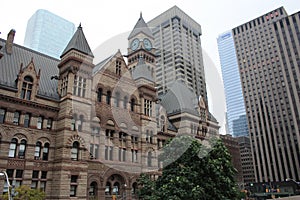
(140, 47)
(141, 63)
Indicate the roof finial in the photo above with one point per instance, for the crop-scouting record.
(79, 25)
(141, 15)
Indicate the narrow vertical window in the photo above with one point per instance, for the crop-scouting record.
(39, 124)
(37, 150)
(80, 123)
(99, 95)
(125, 102)
(46, 151)
(118, 67)
(149, 159)
(96, 151)
(117, 99)
(83, 87)
(75, 151)
(12, 148)
(27, 88)
(108, 97)
(111, 151)
(2, 115)
(73, 186)
(132, 103)
(27, 120)
(16, 119)
(22, 149)
(49, 123)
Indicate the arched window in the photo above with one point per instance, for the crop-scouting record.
(125, 102)
(149, 159)
(27, 88)
(13, 148)
(132, 103)
(46, 151)
(99, 95)
(37, 150)
(93, 189)
(75, 151)
(22, 149)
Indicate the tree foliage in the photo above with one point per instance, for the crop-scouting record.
(26, 193)
(192, 175)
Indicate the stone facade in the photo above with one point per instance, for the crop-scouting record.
(83, 131)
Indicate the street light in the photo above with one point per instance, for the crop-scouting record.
(3, 173)
(290, 179)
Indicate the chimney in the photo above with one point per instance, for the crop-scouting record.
(10, 41)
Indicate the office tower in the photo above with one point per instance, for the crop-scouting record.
(246, 159)
(177, 40)
(236, 112)
(48, 33)
(267, 50)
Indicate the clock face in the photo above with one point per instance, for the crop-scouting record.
(135, 44)
(147, 44)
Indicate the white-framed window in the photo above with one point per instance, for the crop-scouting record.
(79, 87)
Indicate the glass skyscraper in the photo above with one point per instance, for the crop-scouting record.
(236, 113)
(48, 33)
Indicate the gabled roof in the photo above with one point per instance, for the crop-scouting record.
(141, 27)
(79, 43)
(10, 67)
(142, 70)
(101, 64)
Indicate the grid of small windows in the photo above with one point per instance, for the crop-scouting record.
(79, 87)
(118, 67)
(64, 86)
(148, 107)
(39, 179)
(27, 88)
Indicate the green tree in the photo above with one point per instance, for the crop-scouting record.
(192, 175)
(26, 193)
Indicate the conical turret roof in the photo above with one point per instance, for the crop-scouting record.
(141, 27)
(79, 43)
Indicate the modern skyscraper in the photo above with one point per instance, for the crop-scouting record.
(177, 40)
(267, 50)
(48, 33)
(236, 112)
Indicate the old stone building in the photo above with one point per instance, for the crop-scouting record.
(80, 130)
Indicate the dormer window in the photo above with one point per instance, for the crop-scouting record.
(27, 88)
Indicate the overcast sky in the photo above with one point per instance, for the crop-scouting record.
(104, 20)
